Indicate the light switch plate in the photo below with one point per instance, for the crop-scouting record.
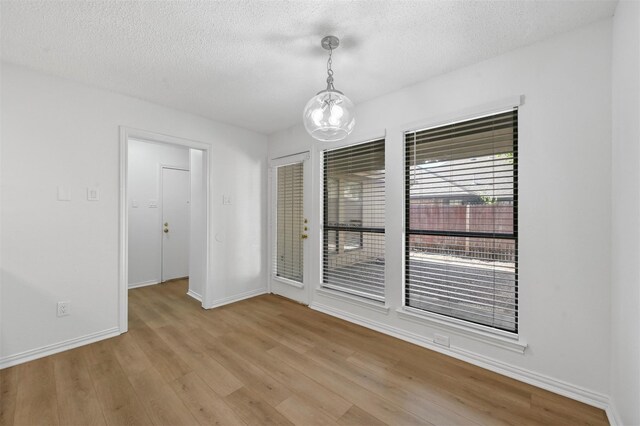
(153, 204)
(226, 199)
(64, 193)
(134, 204)
(93, 194)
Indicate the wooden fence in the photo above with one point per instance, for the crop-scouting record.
(484, 218)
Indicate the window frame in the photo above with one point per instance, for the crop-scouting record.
(494, 335)
(328, 290)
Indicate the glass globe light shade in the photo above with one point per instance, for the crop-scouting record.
(328, 116)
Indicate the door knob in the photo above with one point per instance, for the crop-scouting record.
(166, 230)
(304, 236)
(166, 224)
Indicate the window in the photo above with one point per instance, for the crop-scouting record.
(351, 213)
(353, 220)
(461, 196)
(289, 222)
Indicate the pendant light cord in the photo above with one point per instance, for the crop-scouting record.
(330, 71)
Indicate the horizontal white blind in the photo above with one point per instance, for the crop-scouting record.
(289, 255)
(353, 226)
(461, 219)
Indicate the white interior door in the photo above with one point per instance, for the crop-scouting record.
(175, 223)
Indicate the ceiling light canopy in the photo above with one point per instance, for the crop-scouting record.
(328, 116)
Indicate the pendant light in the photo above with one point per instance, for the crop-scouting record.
(328, 116)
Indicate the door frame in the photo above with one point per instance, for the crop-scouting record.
(161, 197)
(127, 133)
(301, 292)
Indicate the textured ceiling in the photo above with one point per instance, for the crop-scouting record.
(254, 64)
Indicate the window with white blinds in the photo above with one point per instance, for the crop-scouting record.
(461, 251)
(289, 254)
(353, 224)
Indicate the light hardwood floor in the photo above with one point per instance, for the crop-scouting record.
(265, 360)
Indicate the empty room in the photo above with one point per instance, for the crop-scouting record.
(320, 212)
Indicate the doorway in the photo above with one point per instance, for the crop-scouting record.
(164, 214)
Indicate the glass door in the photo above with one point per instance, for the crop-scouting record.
(289, 227)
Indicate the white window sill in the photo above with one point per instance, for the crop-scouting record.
(479, 333)
(354, 300)
(287, 281)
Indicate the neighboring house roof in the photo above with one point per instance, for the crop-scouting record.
(490, 176)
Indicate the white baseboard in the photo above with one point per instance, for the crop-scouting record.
(143, 284)
(536, 379)
(236, 298)
(54, 348)
(612, 414)
(195, 295)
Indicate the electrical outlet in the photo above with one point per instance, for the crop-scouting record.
(63, 308)
(441, 340)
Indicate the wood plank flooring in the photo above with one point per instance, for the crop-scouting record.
(265, 360)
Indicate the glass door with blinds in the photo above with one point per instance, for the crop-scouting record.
(353, 227)
(461, 189)
(289, 226)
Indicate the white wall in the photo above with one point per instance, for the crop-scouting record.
(625, 237)
(57, 132)
(143, 184)
(564, 201)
